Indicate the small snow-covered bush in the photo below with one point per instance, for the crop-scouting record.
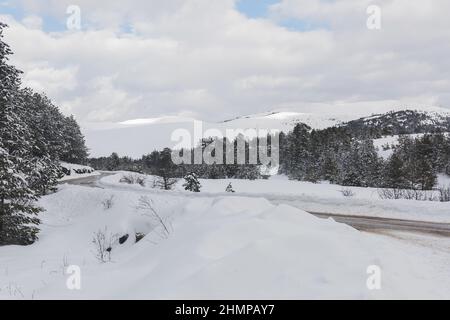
(108, 203)
(83, 170)
(191, 183)
(139, 236)
(347, 192)
(133, 178)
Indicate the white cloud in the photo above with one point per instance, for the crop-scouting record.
(202, 58)
(54, 82)
(32, 22)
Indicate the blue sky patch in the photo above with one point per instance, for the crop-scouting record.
(255, 8)
(260, 9)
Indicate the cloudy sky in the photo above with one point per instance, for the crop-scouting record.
(215, 59)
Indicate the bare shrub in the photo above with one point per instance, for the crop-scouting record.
(133, 178)
(346, 192)
(444, 194)
(103, 242)
(421, 195)
(390, 194)
(147, 205)
(165, 182)
(407, 194)
(108, 203)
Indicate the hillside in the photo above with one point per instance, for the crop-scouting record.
(400, 122)
(147, 135)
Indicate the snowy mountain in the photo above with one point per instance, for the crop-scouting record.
(285, 120)
(138, 136)
(401, 122)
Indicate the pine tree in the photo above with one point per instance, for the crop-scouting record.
(44, 175)
(418, 162)
(18, 219)
(17, 210)
(425, 163)
(394, 176)
(191, 183)
(76, 151)
(329, 167)
(298, 154)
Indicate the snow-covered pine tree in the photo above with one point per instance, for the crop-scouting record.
(191, 183)
(18, 220)
(229, 188)
(370, 165)
(329, 167)
(76, 151)
(426, 174)
(44, 175)
(17, 210)
(298, 155)
(418, 163)
(44, 122)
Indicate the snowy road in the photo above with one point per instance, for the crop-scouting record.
(363, 223)
(379, 224)
(91, 181)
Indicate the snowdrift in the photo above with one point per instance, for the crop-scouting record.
(218, 247)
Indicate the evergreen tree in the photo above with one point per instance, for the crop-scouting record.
(394, 176)
(34, 136)
(17, 209)
(18, 221)
(76, 150)
(191, 183)
(329, 167)
(426, 173)
(44, 175)
(417, 156)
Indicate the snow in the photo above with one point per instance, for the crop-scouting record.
(443, 180)
(392, 141)
(219, 247)
(319, 197)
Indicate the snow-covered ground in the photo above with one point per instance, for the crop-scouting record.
(218, 247)
(391, 142)
(321, 197)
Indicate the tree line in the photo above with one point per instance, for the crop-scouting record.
(336, 154)
(341, 156)
(34, 137)
(160, 163)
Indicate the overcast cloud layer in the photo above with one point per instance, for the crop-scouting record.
(208, 60)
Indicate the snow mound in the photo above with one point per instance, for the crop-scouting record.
(218, 248)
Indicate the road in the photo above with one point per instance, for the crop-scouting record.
(363, 223)
(381, 224)
(91, 181)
